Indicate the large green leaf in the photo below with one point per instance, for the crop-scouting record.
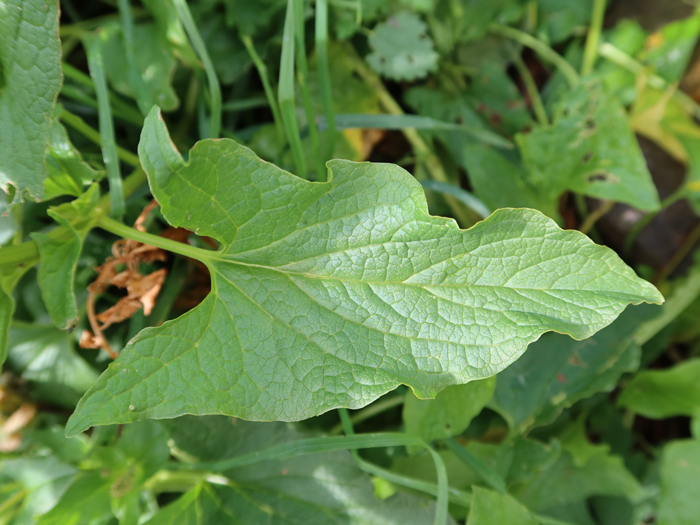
(30, 65)
(557, 371)
(679, 501)
(659, 394)
(331, 294)
(313, 489)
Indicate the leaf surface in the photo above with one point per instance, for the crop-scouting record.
(59, 258)
(30, 56)
(450, 413)
(314, 489)
(331, 294)
(491, 508)
(659, 394)
(679, 501)
(401, 49)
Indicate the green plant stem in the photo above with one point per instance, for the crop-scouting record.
(642, 223)
(622, 59)
(91, 134)
(596, 214)
(264, 78)
(302, 78)
(590, 52)
(421, 148)
(183, 12)
(27, 253)
(285, 93)
(540, 48)
(109, 146)
(244, 103)
(442, 488)
(474, 463)
(127, 232)
(688, 244)
(324, 77)
(532, 91)
(372, 410)
(143, 96)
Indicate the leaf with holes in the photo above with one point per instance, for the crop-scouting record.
(331, 294)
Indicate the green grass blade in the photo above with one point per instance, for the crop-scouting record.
(244, 103)
(400, 122)
(183, 12)
(458, 193)
(93, 49)
(143, 96)
(264, 78)
(285, 93)
(324, 77)
(474, 463)
(302, 77)
(442, 486)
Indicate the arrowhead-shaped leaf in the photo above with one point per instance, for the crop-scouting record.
(328, 295)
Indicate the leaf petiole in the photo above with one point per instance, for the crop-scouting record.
(127, 232)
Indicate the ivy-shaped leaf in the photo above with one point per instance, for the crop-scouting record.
(331, 294)
(59, 257)
(401, 49)
(30, 78)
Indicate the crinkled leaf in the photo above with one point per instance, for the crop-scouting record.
(679, 500)
(669, 50)
(317, 488)
(67, 172)
(491, 508)
(401, 50)
(450, 413)
(331, 294)
(154, 62)
(45, 357)
(659, 394)
(59, 257)
(30, 57)
(590, 149)
(557, 371)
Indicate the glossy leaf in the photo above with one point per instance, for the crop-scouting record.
(492, 508)
(59, 258)
(400, 48)
(322, 299)
(450, 413)
(659, 394)
(679, 501)
(316, 489)
(30, 59)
